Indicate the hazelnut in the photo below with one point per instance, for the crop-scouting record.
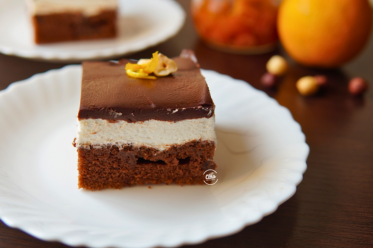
(269, 80)
(165, 66)
(277, 65)
(357, 86)
(307, 86)
(321, 80)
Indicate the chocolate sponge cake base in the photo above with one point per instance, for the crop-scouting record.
(60, 27)
(117, 167)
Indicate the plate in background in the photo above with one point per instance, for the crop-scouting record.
(142, 24)
(261, 156)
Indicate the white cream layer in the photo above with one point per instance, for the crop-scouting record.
(87, 7)
(156, 134)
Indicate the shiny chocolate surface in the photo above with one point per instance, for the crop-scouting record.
(109, 93)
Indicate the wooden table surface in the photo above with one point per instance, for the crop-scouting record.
(333, 205)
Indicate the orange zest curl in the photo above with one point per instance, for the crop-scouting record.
(143, 70)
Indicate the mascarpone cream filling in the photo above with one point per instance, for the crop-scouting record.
(153, 133)
(87, 7)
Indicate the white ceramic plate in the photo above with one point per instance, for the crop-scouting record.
(142, 23)
(261, 157)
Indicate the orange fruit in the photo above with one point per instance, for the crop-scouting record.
(324, 33)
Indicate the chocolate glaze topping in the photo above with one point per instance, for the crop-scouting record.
(108, 93)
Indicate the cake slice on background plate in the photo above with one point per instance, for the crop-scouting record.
(69, 20)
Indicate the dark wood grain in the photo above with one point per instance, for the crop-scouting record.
(333, 205)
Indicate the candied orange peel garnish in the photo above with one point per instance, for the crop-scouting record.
(139, 74)
(134, 67)
(143, 70)
(159, 66)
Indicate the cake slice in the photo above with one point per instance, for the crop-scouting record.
(138, 131)
(69, 20)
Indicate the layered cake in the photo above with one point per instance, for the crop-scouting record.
(69, 20)
(144, 129)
